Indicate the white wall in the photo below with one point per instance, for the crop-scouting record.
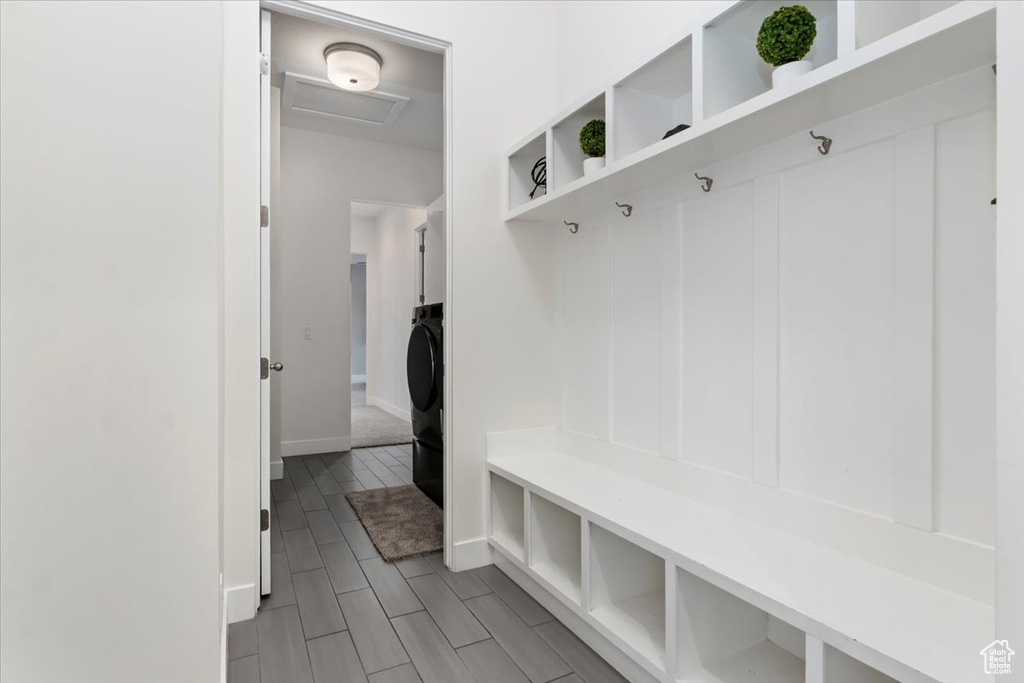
(435, 260)
(321, 175)
(780, 330)
(391, 296)
(110, 329)
(504, 86)
(357, 278)
(597, 41)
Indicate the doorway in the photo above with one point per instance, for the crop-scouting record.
(321, 459)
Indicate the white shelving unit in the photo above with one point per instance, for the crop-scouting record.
(723, 638)
(555, 547)
(507, 520)
(865, 53)
(627, 593)
(659, 583)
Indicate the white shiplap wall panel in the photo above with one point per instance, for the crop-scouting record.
(717, 330)
(836, 328)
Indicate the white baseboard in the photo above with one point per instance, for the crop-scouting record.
(277, 470)
(471, 554)
(241, 602)
(358, 379)
(314, 446)
(388, 408)
(587, 633)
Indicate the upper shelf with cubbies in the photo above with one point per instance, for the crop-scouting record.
(712, 83)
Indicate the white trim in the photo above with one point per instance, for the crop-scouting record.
(313, 446)
(223, 633)
(584, 631)
(358, 379)
(471, 554)
(306, 11)
(240, 602)
(389, 408)
(277, 470)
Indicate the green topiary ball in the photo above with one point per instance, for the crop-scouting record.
(592, 138)
(787, 35)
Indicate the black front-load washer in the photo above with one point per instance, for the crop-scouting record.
(425, 371)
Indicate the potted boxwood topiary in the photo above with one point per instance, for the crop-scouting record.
(785, 38)
(592, 145)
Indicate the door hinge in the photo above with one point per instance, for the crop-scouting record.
(264, 215)
(264, 368)
(264, 520)
(264, 64)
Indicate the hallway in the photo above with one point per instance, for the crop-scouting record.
(340, 613)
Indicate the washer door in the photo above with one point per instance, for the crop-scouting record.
(420, 367)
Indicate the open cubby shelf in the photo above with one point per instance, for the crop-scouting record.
(507, 520)
(711, 77)
(627, 593)
(698, 594)
(723, 638)
(555, 547)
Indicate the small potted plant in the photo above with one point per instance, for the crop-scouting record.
(592, 145)
(785, 38)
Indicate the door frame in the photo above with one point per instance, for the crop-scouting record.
(323, 15)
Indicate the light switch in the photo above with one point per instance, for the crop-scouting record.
(308, 332)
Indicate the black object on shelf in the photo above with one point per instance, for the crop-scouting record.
(539, 176)
(678, 129)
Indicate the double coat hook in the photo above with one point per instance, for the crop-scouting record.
(573, 227)
(706, 184)
(826, 143)
(627, 209)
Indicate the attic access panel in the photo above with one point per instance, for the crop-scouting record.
(322, 98)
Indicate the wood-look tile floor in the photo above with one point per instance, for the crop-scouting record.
(338, 613)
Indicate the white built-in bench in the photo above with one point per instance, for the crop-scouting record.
(692, 592)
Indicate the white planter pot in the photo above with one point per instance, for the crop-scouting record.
(787, 72)
(592, 165)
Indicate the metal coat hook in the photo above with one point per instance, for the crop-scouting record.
(826, 143)
(627, 209)
(706, 184)
(573, 227)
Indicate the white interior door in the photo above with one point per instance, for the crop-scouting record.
(265, 302)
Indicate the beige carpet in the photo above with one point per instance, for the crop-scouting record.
(401, 521)
(372, 426)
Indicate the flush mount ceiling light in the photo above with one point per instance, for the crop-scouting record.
(352, 66)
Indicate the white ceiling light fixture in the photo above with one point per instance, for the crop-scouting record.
(352, 66)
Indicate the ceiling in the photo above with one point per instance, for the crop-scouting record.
(367, 209)
(297, 47)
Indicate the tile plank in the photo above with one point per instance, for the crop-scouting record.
(584, 661)
(488, 662)
(340, 508)
(334, 659)
(376, 642)
(453, 617)
(282, 648)
(242, 639)
(327, 484)
(323, 527)
(244, 670)
(400, 674)
(466, 585)
(318, 607)
(414, 566)
(301, 551)
(390, 587)
(311, 498)
(301, 477)
(530, 653)
(290, 515)
(342, 568)
(359, 540)
(432, 655)
(282, 489)
(528, 609)
(281, 591)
